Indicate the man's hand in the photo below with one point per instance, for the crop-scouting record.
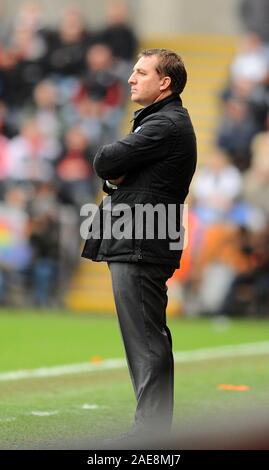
(117, 181)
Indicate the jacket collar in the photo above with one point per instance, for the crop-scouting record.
(154, 107)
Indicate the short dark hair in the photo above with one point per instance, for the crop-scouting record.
(169, 64)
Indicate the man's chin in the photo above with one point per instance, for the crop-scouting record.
(135, 99)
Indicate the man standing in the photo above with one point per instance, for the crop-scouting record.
(153, 166)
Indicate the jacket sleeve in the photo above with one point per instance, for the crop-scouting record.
(107, 189)
(151, 143)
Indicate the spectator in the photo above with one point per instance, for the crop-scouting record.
(221, 257)
(251, 62)
(120, 37)
(255, 16)
(235, 132)
(103, 85)
(15, 253)
(44, 240)
(258, 101)
(75, 174)
(216, 188)
(118, 34)
(88, 114)
(101, 82)
(29, 15)
(245, 107)
(24, 67)
(32, 155)
(67, 47)
(248, 293)
(46, 109)
(56, 255)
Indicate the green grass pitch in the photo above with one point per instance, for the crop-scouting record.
(50, 411)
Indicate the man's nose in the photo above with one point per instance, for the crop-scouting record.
(132, 79)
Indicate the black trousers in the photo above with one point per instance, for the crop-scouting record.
(140, 294)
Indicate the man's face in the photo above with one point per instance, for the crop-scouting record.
(146, 84)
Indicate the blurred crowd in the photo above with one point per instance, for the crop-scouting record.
(225, 268)
(63, 92)
(62, 95)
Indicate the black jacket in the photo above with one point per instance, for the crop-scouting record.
(158, 158)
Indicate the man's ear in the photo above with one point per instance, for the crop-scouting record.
(165, 83)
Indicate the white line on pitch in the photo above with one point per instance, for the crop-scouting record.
(247, 349)
(44, 413)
